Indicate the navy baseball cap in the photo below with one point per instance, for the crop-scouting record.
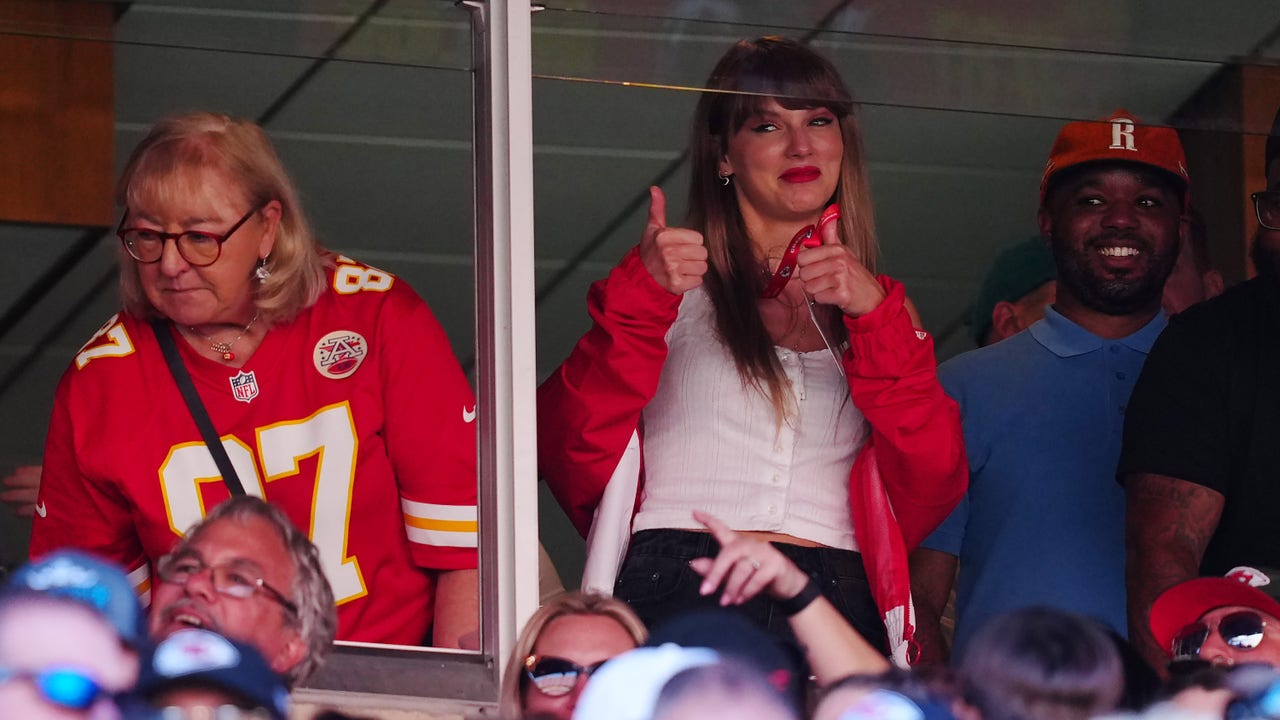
(733, 636)
(88, 580)
(199, 658)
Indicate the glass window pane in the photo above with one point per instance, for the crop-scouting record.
(369, 105)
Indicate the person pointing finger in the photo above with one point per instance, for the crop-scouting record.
(747, 566)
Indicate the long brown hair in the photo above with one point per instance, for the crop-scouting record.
(750, 74)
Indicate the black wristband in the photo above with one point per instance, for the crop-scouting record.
(801, 600)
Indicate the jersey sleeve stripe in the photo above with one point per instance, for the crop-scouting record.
(440, 525)
(140, 577)
(440, 538)
(431, 511)
(445, 525)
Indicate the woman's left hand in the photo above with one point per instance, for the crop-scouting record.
(745, 566)
(832, 275)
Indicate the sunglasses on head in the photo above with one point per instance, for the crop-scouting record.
(65, 687)
(553, 676)
(1241, 630)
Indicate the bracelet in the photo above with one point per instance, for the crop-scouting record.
(801, 600)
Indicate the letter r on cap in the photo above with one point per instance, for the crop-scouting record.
(1122, 135)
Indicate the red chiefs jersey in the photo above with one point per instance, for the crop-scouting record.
(354, 418)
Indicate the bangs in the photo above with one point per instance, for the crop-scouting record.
(171, 170)
(793, 75)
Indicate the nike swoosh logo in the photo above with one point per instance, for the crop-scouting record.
(41, 510)
(468, 415)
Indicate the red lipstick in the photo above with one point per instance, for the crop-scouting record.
(804, 174)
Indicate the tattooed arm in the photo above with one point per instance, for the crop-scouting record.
(1168, 523)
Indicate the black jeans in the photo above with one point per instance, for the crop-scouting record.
(657, 582)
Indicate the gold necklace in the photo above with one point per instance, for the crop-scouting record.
(804, 328)
(224, 348)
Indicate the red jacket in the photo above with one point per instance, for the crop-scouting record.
(906, 479)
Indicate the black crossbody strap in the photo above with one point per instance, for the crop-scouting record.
(198, 413)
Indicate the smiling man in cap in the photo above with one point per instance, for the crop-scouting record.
(1043, 520)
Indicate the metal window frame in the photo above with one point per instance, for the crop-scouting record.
(362, 676)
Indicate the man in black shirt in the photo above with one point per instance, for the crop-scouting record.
(1201, 458)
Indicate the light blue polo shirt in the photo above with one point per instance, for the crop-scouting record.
(1043, 521)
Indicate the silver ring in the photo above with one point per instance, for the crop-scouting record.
(755, 564)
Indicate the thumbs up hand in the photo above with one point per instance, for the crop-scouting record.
(832, 275)
(675, 257)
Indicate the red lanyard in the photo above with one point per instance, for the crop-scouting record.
(803, 239)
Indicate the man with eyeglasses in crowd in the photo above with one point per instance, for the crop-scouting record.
(1219, 620)
(71, 625)
(1200, 456)
(247, 573)
(71, 629)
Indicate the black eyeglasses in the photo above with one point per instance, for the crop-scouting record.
(1241, 630)
(66, 687)
(555, 677)
(234, 579)
(1266, 205)
(197, 248)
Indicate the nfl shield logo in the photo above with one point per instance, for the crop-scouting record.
(244, 386)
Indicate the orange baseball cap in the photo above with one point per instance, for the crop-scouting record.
(1120, 137)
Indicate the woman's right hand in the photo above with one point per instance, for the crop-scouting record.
(745, 566)
(675, 257)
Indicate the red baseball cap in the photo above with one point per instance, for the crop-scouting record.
(1184, 603)
(1120, 137)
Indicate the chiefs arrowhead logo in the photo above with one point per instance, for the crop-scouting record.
(339, 354)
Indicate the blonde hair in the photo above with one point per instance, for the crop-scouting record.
(565, 604)
(241, 151)
(748, 76)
